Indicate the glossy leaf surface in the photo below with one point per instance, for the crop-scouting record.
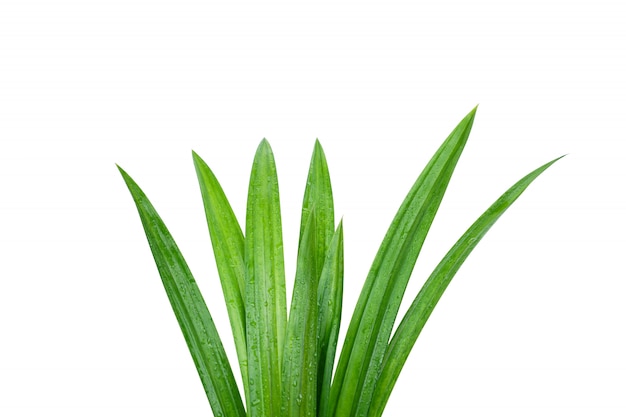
(378, 304)
(190, 309)
(229, 250)
(300, 355)
(265, 298)
(428, 297)
(329, 258)
(288, 364)
(329, 297)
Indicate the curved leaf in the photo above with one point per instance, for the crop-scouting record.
(228, 247)
(191, 311)
(378, 304)
(426, 300)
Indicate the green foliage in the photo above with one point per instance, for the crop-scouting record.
(287, 362)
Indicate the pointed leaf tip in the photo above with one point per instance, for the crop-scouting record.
(472, 113)
(264, 148)
(266, 316)
(127, 179)
(379, 302)
(317, 149)
(198, 161)
(191, 311)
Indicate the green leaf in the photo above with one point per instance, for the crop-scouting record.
(377, 307)
(426, 300)
(264, 294)
(318, 193)
(330, 295)
(191, 311)
(300, 355)
(229, 250)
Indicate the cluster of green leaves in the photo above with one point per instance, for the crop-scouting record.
(287, 361)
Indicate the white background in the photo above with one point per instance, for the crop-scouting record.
(533, 324)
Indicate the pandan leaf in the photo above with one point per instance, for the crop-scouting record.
(371, 325)
(190, 309)
(318, 193)
(426, 300)
(329, 297)
(229, 250)
(287, 365)
(264, 293)
(300, 355)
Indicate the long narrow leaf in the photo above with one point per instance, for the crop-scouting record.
(330, 295)
(318, 193)
(378, 304)
(264, 294)
(300, 355)
(191, 311)
(228, 247)
(426, 300)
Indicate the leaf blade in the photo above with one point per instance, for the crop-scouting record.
(330, 294)
(318, 193)
(229, 250)
(265, 297)
(190, 309)
(377, 307)
(299, 369)
(428, 297)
